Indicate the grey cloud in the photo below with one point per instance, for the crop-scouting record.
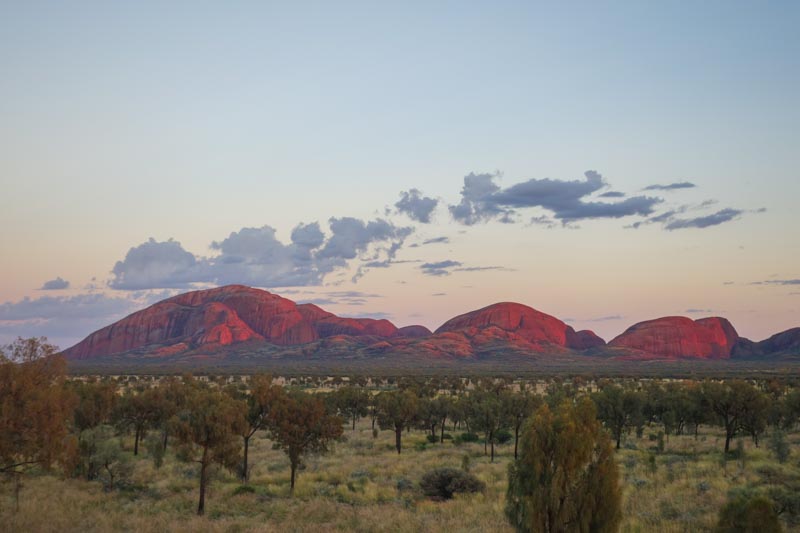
(480, 268)
(483, 200)
(439, 268)
(255, 256)
(778, 282)
(155, 264)
(64, 320)
(416, 206)
(612, 194)
(55, 284)
(696, 311)
(714, 219)
(670, 186)
(437, 240)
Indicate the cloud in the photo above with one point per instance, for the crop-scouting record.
(255, 256)
(155, 264)
(416, 206)
(439, 268)
(696, 311)
(714, 219)
(612, 194)
(63, 319)
(436, 240)
(783, 282)
(482, 200)
(439, 294)
(55, 284)
(481, 269)
(606, 318)
(671, 186)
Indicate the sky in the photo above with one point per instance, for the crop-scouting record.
(603, 162)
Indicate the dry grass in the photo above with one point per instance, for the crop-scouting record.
(355, 488)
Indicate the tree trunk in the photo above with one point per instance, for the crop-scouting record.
(244, 459)
(201, 506)
(17, 485)
(398, 435)
(516, 440)
(727, 441)
(441, 440)
(619, 437)
(354, 422)
(292, 479)
(492, 458)
(166, 434)
(136, 441)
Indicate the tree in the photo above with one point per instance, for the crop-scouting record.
(299, 425)
(397, 410)
(486, 415)
(207, 428)
(517, 408)
(35, 408)
(140, 411)
(352, 402)
(729, 402)
(95, 403)
(619, 409)
(262, 398)
(566, 478)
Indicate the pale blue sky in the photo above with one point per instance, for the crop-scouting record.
(125, 121)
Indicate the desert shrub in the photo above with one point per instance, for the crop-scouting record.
(404, 484)
(155, 448)
(779, 445)
(433, 439)
(466, 462)
(745, 512)
(467, 437)
(244, 489)
(447, 436)
(503, 436)
(442, 483)
(420, 446)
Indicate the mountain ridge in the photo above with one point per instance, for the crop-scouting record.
(219, 322)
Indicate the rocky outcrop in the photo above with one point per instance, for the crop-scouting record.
(679, 337)
(784, 343)
(525, 323)
(414, 332)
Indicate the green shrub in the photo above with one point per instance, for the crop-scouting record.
(779, 445)
(433, 439)
(748, 513)
(467, 437)
(503, 436)
(244, 489)
(442, 483)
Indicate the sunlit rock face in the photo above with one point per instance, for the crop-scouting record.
(679, 337)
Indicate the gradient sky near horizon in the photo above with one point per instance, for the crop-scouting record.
(603, 162)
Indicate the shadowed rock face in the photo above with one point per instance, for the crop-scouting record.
(786, 342)
(677, 336)
(525, 323)
(414, 332)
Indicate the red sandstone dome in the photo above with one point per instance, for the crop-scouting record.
(678, 336)
(224, 316)
(524, 322)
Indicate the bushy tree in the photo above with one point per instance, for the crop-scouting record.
(299, 425)
(397, 411)
(352, 403)
(619, 409)
(262, 398)
(566, 478)
(35, 408)
(207, 428)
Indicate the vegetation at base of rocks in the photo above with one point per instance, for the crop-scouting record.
(115, 468)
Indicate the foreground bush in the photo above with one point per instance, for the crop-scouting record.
(442, 483)
(745, 513)
(565, 478)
